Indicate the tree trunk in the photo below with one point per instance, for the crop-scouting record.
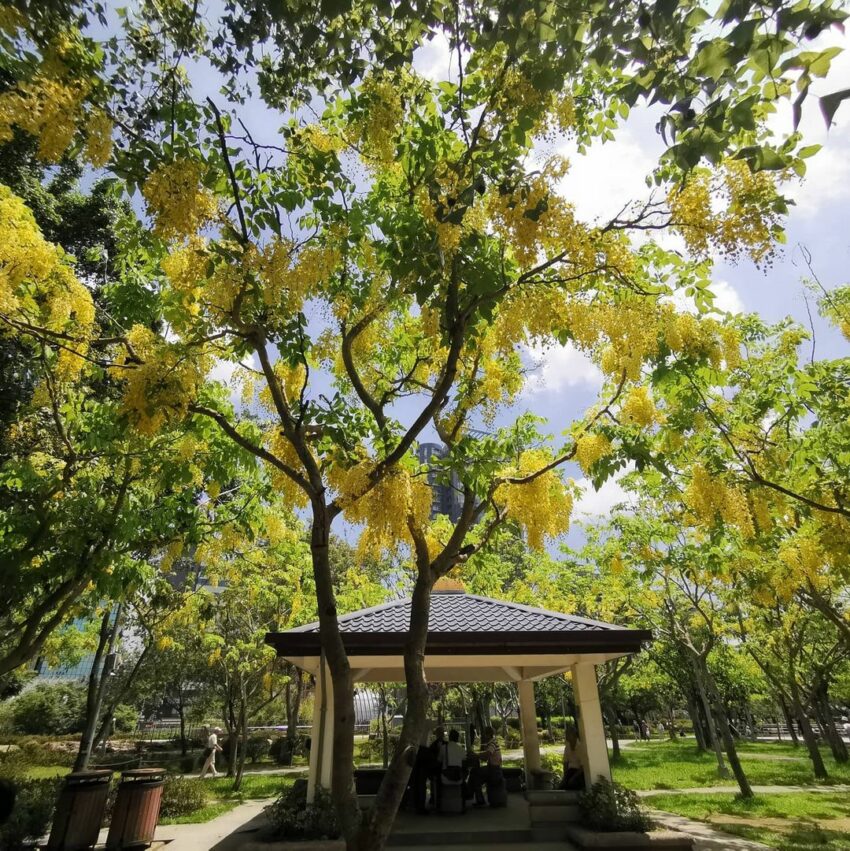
(808, 734)
(722, 770)
(336, 658)
(378, 821)
(789, 721)
(827, 723)
(181, 712)
(728, 738)
(696, 721)
(101, 669)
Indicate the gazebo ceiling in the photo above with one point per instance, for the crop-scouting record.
(469, 638)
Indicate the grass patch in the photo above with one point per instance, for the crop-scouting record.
(816, 806)
(253, 786)
(207, 813)
(678, 765)
(46, 772)
(808, 814)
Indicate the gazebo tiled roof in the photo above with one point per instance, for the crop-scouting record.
(466, 623)
(453, 611)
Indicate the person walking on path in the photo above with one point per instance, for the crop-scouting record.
(209, 754)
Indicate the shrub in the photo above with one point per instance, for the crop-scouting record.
(609, 807)
(258, 747)
(291, 817)
(182, 796)
(30, 819)
(554, 763)
(49, 708)
(126, 718)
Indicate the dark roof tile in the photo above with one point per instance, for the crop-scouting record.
(453, 611)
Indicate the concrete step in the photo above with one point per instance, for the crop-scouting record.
(562, 813)
(452, 836)
(549, 833)
(551, 797)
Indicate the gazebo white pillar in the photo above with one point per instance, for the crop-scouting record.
(528, 722)
(591, 726)
(321, 734)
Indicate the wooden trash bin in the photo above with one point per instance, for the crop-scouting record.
(136, 812)
(79, 811)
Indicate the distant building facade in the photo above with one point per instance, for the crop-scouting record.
(446, 497)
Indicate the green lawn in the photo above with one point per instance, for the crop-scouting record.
(678, 765)
(808, 814)
(46, 772)
(253, 786)
(207, 813)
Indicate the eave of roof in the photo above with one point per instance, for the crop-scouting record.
(485, 643)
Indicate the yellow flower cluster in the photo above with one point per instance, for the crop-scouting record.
(98, 138)
(536, 222)
(732, 214)
(378, 130)
(185, 266)
(178, 202)
(46, 108)
(638, 408)
(804, 557)
(384, 510)
(543, 505)
(38, 285)
(590, 447)
(317, 137)
(160, 379)
(710, 500)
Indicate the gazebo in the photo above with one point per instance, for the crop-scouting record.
(470, 639)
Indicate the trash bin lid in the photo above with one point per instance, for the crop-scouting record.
(100, 775)
(143, 774)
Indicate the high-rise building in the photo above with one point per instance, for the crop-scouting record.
(446, 497)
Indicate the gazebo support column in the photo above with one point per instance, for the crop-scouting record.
(591, 727)
(321, 734)
(528, 721)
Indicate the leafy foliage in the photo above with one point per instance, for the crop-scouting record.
(610, 807)
(291, 817)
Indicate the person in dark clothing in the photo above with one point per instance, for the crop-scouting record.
(436, 748)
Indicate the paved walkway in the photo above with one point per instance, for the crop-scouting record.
(228, 832)
(707, 838)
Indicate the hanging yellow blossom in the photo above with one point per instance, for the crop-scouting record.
(541, 505)
(38, 285)
(590, 447)
(386, 508)
(160, 379)
(378, 130)
(638, 408)
(178, 202)
(98, 148)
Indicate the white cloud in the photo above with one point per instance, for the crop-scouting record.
(559, 367)
(225, 371)
(600, 503)
(608, 176)
(434, 58)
